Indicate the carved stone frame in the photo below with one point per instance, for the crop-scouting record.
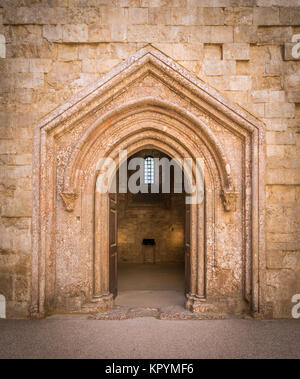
(84, 106)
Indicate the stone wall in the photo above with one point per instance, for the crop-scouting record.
(151, 220)
(243, 48)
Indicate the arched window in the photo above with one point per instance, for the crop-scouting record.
(149, 170)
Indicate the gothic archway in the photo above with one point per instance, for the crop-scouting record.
(148, 101)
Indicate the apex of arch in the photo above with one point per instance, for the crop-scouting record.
(146, 60)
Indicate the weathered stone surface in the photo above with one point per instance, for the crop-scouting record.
(236, 51)
(75, 33)
(274, 35)
(53, 33)
(243, 48)
(266, 16)
(219, 68)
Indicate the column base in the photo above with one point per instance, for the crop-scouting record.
(196, 304)
(99, 304)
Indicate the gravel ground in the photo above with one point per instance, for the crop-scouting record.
(77, 337)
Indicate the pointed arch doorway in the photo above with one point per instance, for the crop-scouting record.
(148, 102)
(149, 234)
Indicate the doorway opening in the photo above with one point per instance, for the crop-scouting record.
(149, 264)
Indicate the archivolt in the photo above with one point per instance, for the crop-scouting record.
(181, 131)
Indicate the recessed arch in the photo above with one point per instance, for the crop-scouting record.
(148, 101)
(172, 112)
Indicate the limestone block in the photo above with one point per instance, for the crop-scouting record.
(20, 206)
(267, 96)
(286, 138)
(163, 3)
(277, 110)
(116, 15)
(276, 151)
(146, 33)
(266, 16)
(292, 78)
(236, 51)
(97, 51)
(286, 195)
(159, 16)
(277, 3)
(138, 16)
(40, 65)
(99, 65)
(213, 16)
(275, 35)
(29, 80)
(84, 80)
(239, 97)
(183, 16)
(192, 66)
(213, 52)
(238, 16)
(99, 33)
(120, 50)
(246, 34)
(75, 33)
(67, 52)
(212, 34)
(52, 33)
(210, 3)
(293, 96)
(290, 16)
(231, 83)
(129, 3)
(270, 82)
(217, 68)
(63, 72)
(118, 32)
(43, 49)
(280, 219)
(274, 259)
(274, 68)
(14, 65)
(36, 15)
(275, 124)
(257, 110)
(84, 15)
(188, 51)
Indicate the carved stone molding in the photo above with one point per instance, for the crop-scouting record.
(69, 200)
(229, 200)
(146, 102)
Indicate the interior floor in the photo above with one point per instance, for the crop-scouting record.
(150, 285)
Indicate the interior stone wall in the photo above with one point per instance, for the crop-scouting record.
(243, 48)
(151, 216)
(154, 220)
